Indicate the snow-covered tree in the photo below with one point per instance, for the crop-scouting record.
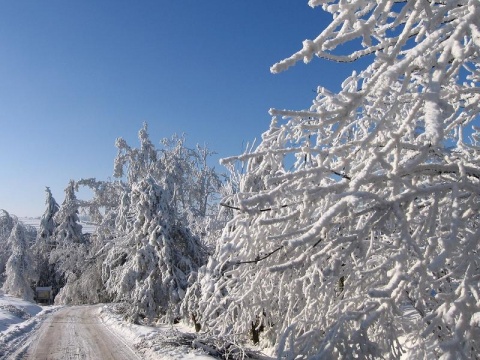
(184, 172)
(7, 223)
(47, 222)
(69, 248)
(164, 211)
(150, 265)
(45, 242)
(84, 280)
(368, 202)
(19, 268)
(68, 229)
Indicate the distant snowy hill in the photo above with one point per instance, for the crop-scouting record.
(87, 227)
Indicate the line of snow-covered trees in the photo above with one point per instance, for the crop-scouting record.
(345, 216)
(153, 228)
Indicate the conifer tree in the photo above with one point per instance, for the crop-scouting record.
(19, 270)
(7, 223)
(68, 229)
(153, 258)
(47, 222)
(44, 242)
(69, 249)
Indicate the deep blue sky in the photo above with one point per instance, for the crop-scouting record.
(74, 76)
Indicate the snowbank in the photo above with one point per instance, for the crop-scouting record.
(13, 311)
(18, 318)
(160, 342)
(172, 341)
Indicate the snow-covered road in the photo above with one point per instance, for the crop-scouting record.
(75, 333)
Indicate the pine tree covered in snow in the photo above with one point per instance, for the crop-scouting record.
(366, 203)
(47, 222)
(45, 241)
(19, 268)
(69, 248)
(150, 266)
(163, 211)
(68, 229)
(7, 223)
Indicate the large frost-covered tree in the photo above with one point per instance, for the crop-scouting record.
(163, 211)
(45, 240)
(68, 229)
(183, 171)
(69, 248)
(367, 203)
(47, 222)
(19, 270)
(150, 265)
(7, 223)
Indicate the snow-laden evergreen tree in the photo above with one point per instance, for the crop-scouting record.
(68, 229)
(367, 204)
(20, 274)
(45, 241)
(85, 284)
(149, 267)
(184, 172)
(47, 222)
(151, 262)
(7, 223)
(69, 248)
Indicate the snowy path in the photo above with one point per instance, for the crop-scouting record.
(75, 333)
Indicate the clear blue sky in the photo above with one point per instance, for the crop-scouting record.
(74, 76)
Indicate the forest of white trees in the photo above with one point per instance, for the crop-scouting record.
(320, 238)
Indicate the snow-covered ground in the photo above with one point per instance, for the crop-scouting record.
(19, 321)
(161, 342)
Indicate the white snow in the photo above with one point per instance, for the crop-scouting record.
(159, 342)
(20, 319)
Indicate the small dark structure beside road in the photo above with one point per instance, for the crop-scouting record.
(44, 294)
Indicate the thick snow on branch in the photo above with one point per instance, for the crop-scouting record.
(372, 197)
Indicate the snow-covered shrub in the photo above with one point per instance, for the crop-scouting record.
(380, 208)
